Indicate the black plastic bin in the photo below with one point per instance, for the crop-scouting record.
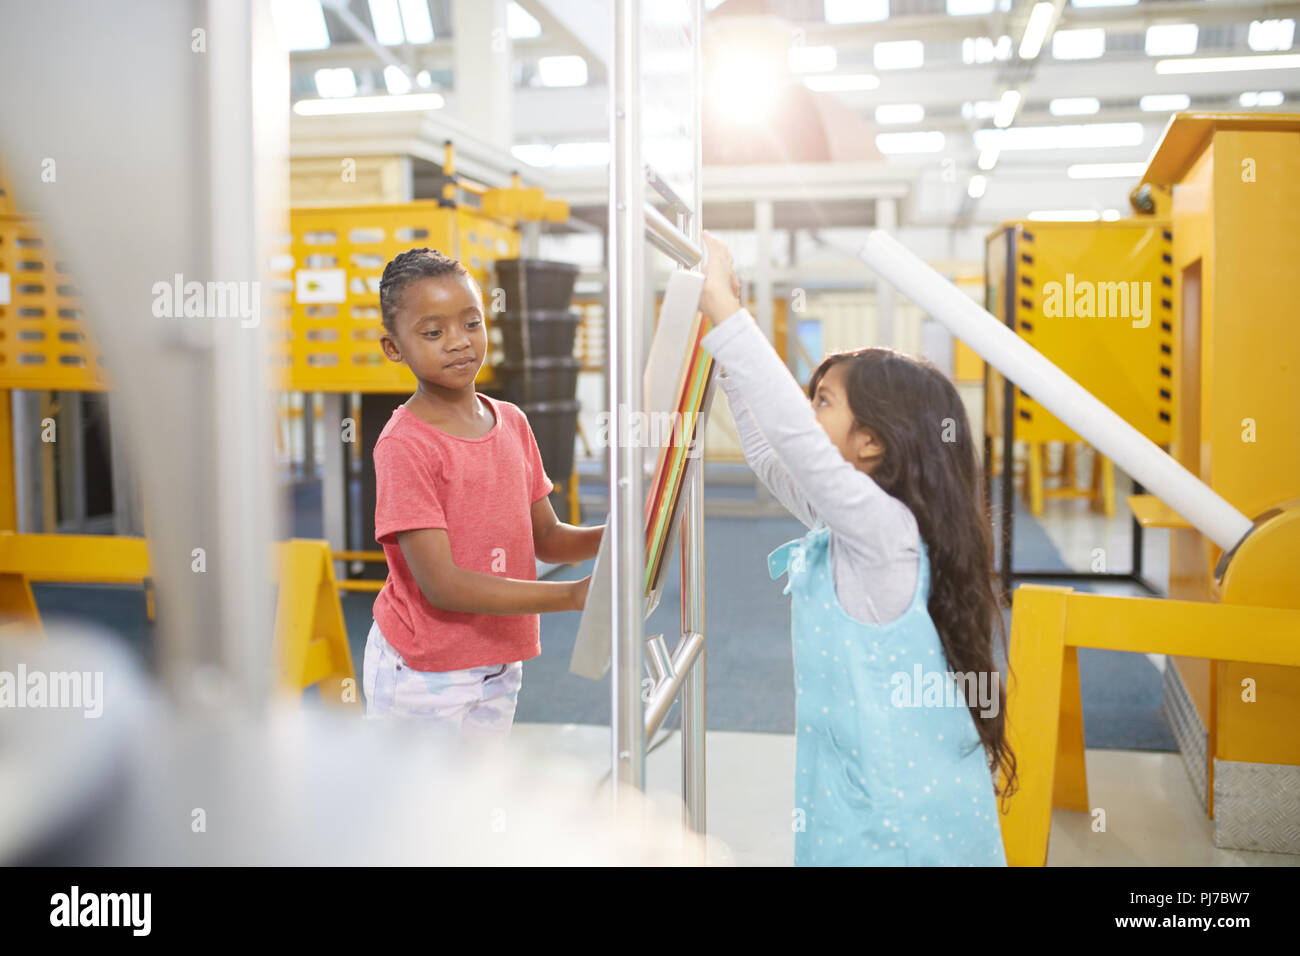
(549, 333)
(555, 425)
(546, 285)
(551, 378)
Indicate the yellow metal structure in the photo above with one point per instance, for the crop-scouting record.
(25, 558)
(1233, 619)
(45, 343)
(1096, 298)
(311, 641)
(327, 287)
(1236, 186)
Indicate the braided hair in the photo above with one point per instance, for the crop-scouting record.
(404, 269)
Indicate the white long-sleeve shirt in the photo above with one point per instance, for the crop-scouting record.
(874, 539)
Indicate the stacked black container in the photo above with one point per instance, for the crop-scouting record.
(539, 372)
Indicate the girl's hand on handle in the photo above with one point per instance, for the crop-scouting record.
(578, 592)
(720, 297)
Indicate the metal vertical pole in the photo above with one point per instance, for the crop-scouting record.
(694, 791)
(626, 524)
(886, 331)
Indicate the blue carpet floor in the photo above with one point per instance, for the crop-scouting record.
(749, 669)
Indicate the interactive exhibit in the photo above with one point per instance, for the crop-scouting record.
(1210, 370)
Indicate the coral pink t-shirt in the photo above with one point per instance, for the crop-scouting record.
(481, 490)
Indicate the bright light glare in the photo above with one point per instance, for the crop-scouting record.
(898, 54)
(1084, 136)
(965, 8)
(988, 158)
(900, 113)
(1171, 39)
(1263, 98)
(743, 89)
(1164, 102)
(811, 59)
(855, 11)
(415, 20)
(1040, 21)
(1074, 106)
(387, 22)
(929, 141)
(1230, 64)
(1006, 111)
(300, 24)
(1086, 44)
(370, 104)
(336, 82)
(562, 71)
(1271, 34)
(842, 82)
(520, 23)
(978, 183)
(396, 81)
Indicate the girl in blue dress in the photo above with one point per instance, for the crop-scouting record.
(900, 735)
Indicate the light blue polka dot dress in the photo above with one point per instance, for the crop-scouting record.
(878, 783)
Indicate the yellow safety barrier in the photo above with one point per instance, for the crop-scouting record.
(311, 645)
(311, 642)
(1044, 707)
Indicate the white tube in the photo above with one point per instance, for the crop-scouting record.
(1061, 395)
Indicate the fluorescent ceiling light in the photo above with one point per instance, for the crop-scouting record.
(1171, 39)
(1230, 64)
(335, 82)
(423, 79)
(1103, 3)
(900, 113)
(562, 71)
(1105, 170)
(534, 154)
(370, 104)
(1271, 34)
(843, 82)
(1264, 98)
(988, 157)
(1110, 215)
(387, 22)
(300, 24)
(396, 80)
(1086, 44)
(1065, 215)
(1164, 102)
(984, 50)
(416, 22)
(929, 141)
(1006, 111)
(811, 59)
(898, 54)
(1083, 136)
(978, 183)
(520, 23)
(855, 11)
(1074, 106)
(1040, 21)
(965, 8)
(980, 109)
(580, 154)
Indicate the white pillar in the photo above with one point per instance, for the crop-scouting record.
(886, 333)
(482, 63)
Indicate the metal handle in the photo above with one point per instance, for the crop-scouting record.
(670, 240)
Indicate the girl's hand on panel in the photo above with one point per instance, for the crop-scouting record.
(720, 297)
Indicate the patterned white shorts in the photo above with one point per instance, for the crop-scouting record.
(478, 701)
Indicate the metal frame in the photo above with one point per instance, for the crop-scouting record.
(633, 222)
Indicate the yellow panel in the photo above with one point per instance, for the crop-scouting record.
(967, 365)
(1151, 512)
(1250, 409)
(1188, 134)
(44, 342)
(1096, 299)
(334, 346)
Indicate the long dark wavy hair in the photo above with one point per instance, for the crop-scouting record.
(929, 464)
